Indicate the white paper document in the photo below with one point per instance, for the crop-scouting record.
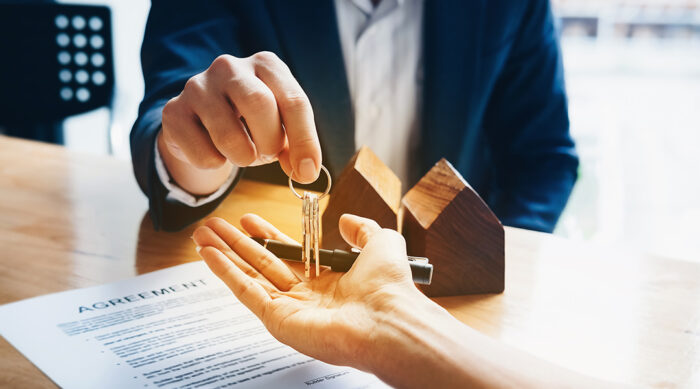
(175, 328)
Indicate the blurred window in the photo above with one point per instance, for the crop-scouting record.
(633, 78)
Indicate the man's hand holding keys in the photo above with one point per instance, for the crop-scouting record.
(239, 112)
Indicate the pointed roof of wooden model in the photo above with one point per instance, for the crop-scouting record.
(443, 182)
(378, 175)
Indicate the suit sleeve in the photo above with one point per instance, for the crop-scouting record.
(527, 126)
(181, 40)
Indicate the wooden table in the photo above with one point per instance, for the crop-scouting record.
(69, 220)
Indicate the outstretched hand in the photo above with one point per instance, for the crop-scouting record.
(372, 317)
(330, 317)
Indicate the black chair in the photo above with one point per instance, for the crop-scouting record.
(56, 62)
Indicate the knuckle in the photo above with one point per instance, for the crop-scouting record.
(258, 98)
(265, 261)
(305, 143)
(252, 273)
(266, 58)
(194, 86)
(224, 64)
(295, 102)
(170, 111)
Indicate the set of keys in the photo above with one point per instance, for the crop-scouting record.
(311, 226)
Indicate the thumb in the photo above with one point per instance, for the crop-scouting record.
(357, 230)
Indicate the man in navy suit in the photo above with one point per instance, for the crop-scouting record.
(244, 84)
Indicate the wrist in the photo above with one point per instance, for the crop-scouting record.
(398, 319)
(198, 182)
(416, 343)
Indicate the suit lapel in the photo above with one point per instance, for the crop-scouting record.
(451, 50)
(311, 48)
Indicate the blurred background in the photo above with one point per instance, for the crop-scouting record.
(633, 78)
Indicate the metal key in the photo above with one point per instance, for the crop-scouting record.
(311, 226)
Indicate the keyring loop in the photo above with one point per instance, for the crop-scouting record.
(328, 188)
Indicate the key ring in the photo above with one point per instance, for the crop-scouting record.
(328, 187)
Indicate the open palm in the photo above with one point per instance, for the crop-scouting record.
(328, 317)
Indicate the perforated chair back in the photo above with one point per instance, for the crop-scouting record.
(56, 61)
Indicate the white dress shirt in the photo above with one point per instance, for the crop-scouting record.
(383, 62)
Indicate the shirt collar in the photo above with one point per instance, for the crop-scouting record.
(368, 9)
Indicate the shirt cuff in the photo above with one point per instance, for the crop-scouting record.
(178, 194)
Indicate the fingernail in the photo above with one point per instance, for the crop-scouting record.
(307, 170)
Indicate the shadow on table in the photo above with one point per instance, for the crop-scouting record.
(157, 250)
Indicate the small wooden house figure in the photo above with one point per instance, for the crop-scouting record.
(445, 220)
(366, 187)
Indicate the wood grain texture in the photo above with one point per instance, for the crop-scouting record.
(445, 220)
(69, 221)
(366, 187)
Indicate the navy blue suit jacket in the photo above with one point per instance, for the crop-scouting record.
(493, 96)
